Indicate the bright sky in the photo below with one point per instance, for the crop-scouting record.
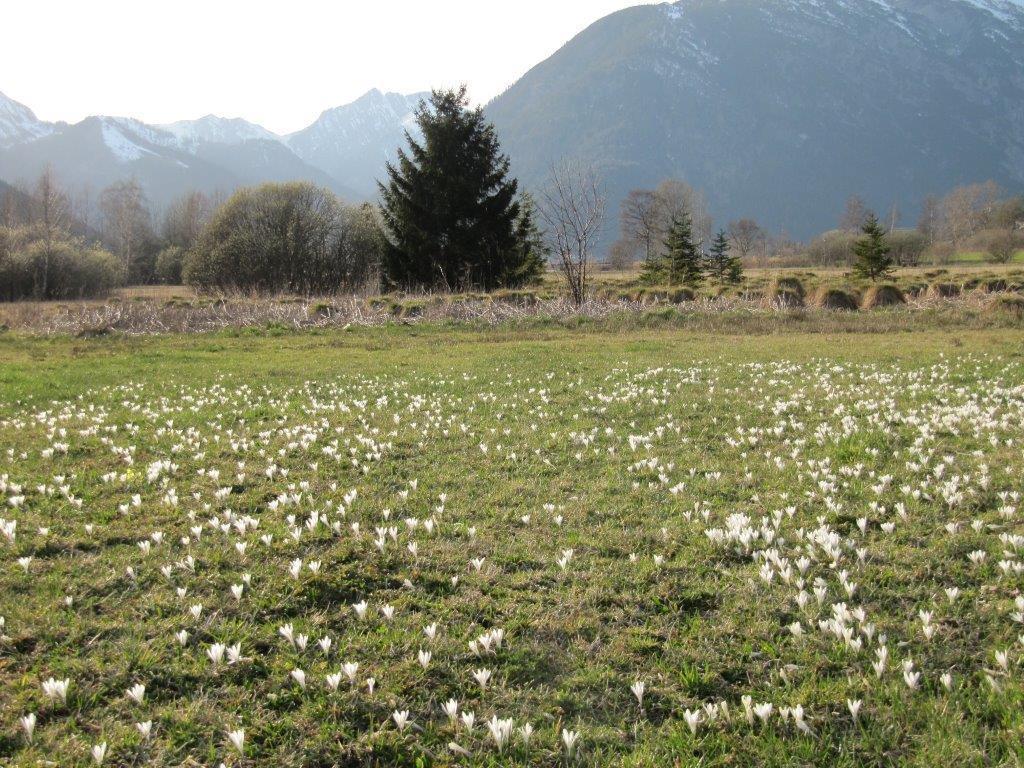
(278, 64)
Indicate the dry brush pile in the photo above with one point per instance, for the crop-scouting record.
(782, 301)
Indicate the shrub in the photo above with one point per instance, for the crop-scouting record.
(58, 269)
(834, 247)
(883, 296)
(295, 238)
(907, 246)
(940, 253)
(833, 298)
(998, 244)
(169, 264)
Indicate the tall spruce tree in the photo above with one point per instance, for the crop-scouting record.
(734, 271)
(683, 257)
(452, 214)
(871, 252)
(718, 256)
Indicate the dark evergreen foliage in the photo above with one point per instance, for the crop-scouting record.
(682, 255)
(872, 257)
(452, 214)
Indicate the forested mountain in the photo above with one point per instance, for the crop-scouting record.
(780, 110)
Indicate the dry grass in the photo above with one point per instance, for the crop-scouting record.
(886, 296)
(748, 313)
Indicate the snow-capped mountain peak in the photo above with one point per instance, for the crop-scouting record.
(123, 145)
(218, 130)
(352, 142)
(18, 123)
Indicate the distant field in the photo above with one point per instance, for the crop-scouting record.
(967, 267)
(658, 546)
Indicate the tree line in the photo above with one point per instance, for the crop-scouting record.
(451, 217)
(974, 217)
(978, 218)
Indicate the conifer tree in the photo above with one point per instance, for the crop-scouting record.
(718, 256)
(872, 253)
(734, 270)
(654, 269)
(452, 213)
(683, 257)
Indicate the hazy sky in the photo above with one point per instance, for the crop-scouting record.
(279, 64)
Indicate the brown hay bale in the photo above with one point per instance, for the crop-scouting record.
(833, 298)
(1006, 306)
(997, 286)
(883, 296)
(914, 290)
(943, 290)
(786, 291)
(679, 295)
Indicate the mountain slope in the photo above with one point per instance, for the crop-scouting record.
(217, 130)
(101, 150)
(781, 110)
(353, 142)
(345, 150)
(18, 123)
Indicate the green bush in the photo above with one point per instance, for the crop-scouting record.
(169, 264)
(57, 269)
(295, 238)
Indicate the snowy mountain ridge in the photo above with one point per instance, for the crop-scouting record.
(344, 149)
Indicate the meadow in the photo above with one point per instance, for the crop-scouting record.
(420, 545)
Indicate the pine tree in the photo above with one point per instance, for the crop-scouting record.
(734, 271)
(532, 255)
(873, 259)
(654, 269)
(451, 212)
(682, 255)
(718, 256)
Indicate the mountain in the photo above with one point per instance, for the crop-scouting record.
(781, 110)
(18, 123)
(101, 150)
(217, 130)
(353, 142)
(346, 150)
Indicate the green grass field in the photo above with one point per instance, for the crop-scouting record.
(828, 525)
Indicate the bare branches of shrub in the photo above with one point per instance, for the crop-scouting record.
(572, 208)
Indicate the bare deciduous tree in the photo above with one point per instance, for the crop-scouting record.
(52, 207)
(855, 215)
(676, 198)
(185, 219)
(572, 208)
(126, 220)
(622, 256)
(638, 221)
(930, 223)
(967, 210)
(52, 215)
(746, 235)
